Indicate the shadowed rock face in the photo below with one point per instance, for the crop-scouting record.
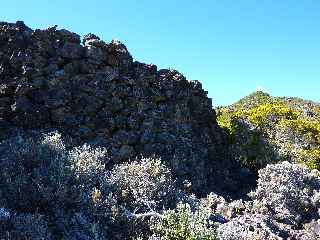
(94, 92)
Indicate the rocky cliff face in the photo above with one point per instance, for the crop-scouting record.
(93, 92)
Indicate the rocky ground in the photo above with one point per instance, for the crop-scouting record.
(95, 145)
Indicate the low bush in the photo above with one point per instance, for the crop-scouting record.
(289, 190)
(34, 173)
(184, 224)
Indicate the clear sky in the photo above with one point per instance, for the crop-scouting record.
(233, 47)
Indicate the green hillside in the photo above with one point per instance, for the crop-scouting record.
(265, 129)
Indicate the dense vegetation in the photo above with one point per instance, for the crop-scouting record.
(51, 190)
(265, 129)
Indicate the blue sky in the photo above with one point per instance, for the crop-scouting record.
(232, 46)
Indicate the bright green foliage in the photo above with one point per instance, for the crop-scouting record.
(258, 116)
(225, 120)
(288, 125)
(306, 127)
(183, 224)
(311, 158)
(262, 114)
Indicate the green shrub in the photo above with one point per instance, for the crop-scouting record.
(288, 129)
(265, 113)
(259, 115)
(253, 100)
(184, 224)
(306, 127)
(311, 158)
(225, 119)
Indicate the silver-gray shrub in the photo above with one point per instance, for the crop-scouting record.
(142, 185)
(131, 193)
(33, 170)
(289, 191)
(256, 226)
(88, 164)
(286, 200)
(39, 174)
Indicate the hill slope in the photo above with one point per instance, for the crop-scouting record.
(265, 129)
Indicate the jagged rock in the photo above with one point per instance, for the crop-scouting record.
(125, 152)
(95, 92)
(71, 51)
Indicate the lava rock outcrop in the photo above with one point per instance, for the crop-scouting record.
(93, 91)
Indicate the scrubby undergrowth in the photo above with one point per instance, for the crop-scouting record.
(52, 191)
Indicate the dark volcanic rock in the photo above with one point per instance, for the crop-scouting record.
(95, 93)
